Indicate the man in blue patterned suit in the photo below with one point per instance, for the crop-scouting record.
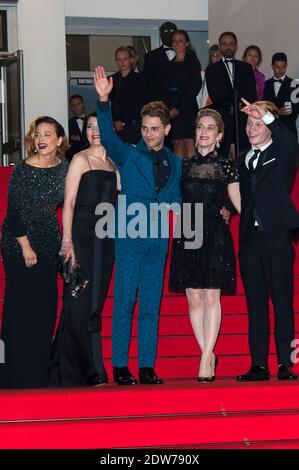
(150, 173)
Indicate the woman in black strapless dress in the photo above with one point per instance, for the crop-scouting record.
(92, 179)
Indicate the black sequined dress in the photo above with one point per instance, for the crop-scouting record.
(212, 266)
(30, 300)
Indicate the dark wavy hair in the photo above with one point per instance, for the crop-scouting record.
(29, 137)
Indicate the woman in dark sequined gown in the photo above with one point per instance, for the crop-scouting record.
(30, 243)
(77, 353)
(210, 269)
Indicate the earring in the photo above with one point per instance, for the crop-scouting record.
(217, 144)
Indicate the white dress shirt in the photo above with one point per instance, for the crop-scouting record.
(267, 119)
(277, 85)
(230, 68)
(170, 53)
(80, 122)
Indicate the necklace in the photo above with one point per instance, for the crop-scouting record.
(52, 163)
(105, 162)
(92, 155)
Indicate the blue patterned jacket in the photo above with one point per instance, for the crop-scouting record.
(135, 165)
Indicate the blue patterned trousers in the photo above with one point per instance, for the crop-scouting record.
(143, 272)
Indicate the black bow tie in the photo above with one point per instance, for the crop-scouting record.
(279, 80)
(253, 158)
(168, 49)
(227, 61)
(81, 118)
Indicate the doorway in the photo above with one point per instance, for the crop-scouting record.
(11, 108)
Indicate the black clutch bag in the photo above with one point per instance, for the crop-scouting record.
(74, 277)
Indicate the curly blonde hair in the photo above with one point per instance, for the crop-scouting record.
(29, 137)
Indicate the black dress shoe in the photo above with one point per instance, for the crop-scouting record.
(254, 374)
(286, 373)
(147, 375)
(95, 380)
(122, 376)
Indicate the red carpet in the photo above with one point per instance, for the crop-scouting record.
(181, 413)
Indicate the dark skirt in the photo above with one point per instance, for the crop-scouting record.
(77, 350)
(212, 266)
(29, 313)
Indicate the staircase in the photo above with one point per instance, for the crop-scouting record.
(182, 413)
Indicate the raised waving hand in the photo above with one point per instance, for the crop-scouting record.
(103, 84)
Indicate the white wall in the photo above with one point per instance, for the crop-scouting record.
(12, 27)
(41, 35)
(102, 50)
(146, 9)
(271, 24)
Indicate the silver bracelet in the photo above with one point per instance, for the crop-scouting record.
(66, 240)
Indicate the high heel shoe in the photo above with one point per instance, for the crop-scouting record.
(206, 379)
(215, 366)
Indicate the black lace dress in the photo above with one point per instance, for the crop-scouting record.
(212, 266)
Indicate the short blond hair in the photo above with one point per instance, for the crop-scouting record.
(268, 106)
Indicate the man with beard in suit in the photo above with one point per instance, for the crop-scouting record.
(278, 89)
(224, 79)
(77, 127)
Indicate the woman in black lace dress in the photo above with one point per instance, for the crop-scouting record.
(30, 244)
(209, 270)
(91, 180)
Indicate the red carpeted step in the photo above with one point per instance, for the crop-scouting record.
(183, 367)
(150, 432)
(252, 445)
(174, 414)
(180, 324)
(224, 413)
(171, 326)
(178, 305)
(185, 397)
(186, 346)
(166, 291)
